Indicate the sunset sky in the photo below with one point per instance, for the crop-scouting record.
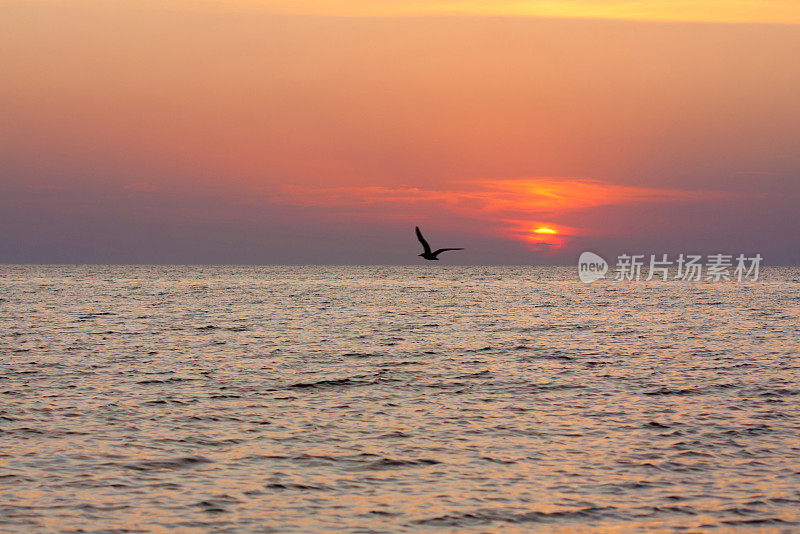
(311, 131)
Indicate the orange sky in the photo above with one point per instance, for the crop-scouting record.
(771, 11)
(209, 116)
(726, 11)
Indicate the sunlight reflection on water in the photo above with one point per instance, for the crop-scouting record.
(395, 398)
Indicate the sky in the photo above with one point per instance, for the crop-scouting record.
(312, 131)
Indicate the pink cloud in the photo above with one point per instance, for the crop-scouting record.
(514, 208)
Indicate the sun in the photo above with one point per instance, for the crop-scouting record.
(542, 236)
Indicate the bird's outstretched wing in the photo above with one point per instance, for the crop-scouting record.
(422, 240)
(445, 249)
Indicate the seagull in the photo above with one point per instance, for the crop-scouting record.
(428, 255)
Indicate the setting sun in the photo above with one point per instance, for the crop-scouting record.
(544, 230)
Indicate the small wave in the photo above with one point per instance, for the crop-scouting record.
(165, 381)
(296, 487)
(395, 434)
(668, 391)
(211, 507)
(755, 430)
(780, 392)
(759, 521)
(538, 388)
(482, 349)
(696, 453)
(383, 513)
(390, 463)
(655, 424)
(338, 382)
(491, 516)
(477, 374)
(95, 314)
(498, 460)
(186, 462)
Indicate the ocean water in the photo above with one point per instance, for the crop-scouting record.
(403, 399)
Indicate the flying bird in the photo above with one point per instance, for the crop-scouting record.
(428, 255)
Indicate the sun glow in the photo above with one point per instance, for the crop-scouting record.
(544, 237)
(519, 208)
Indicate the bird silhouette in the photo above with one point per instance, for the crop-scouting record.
(428, 255)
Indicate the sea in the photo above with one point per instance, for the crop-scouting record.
(427, 398)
